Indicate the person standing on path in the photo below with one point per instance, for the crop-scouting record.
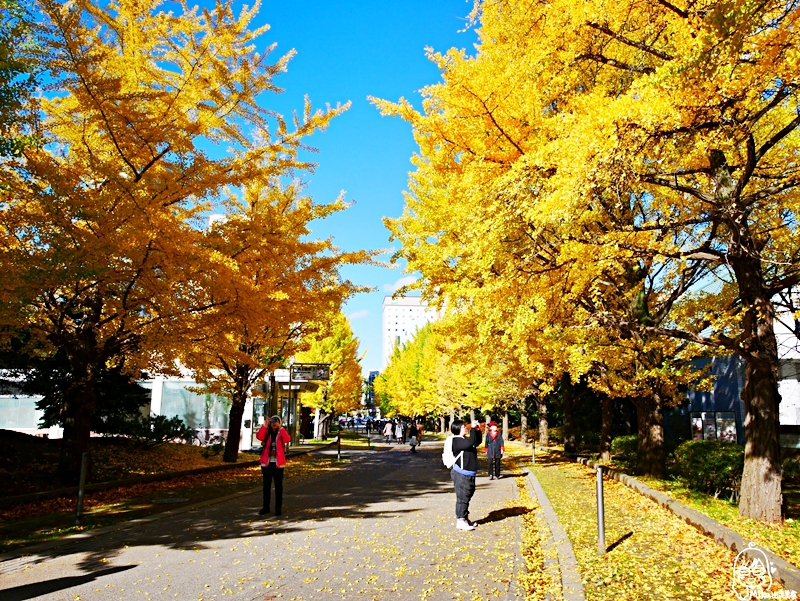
(273, 460)
(412, 436)
(494, 450)
(398, 431)
(387, 432)
(466, 440)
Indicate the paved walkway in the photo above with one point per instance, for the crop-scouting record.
(382, 528)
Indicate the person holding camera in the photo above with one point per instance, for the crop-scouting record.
(273, 460)
(466, 440)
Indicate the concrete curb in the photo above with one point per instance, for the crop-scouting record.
(571, 583)
(788, 574)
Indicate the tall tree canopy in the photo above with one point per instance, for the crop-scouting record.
(335, 345)
(152, 111)
(632, 163)
(17, 78)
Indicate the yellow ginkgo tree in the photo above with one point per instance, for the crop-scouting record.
(151, 110)
(632, 163)
(338, 347)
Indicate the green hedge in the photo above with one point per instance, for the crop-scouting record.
(710, 466)
(791, 469)
(624, 447)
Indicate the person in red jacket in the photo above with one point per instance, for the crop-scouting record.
(494, 450)
(273, 460)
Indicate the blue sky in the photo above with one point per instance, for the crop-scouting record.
(349, 50)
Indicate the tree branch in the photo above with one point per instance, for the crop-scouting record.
(668, 5)
(778, 137)
(658, 181)
(628, 42)
(614, 63)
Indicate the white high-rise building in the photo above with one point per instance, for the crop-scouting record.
(402, 317)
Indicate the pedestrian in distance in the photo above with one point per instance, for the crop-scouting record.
(387, 432)
(420, 428)
(273, 461)
(398, 431)
(494, 450)
(412, 436)
(465, 443)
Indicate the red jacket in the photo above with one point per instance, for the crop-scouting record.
(282, 439)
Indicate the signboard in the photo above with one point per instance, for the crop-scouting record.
(311, 371)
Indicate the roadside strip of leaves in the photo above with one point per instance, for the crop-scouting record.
(54, 518)
(783, 540)
(654, 554)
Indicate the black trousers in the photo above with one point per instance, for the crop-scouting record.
(494, 466)
(272, 472)
(465, 488)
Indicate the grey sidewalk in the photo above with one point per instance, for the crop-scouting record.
(381, 528)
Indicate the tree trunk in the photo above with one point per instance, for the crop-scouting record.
(471, 415)
(325, 426)
(79, 406)
(650, 455)
(238, 401)
(605, 435)
(523, 428)
(568, 405)
(441, 424)
(760, 495)
(544, 437)
(505, 426)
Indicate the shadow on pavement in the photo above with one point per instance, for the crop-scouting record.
(503, 514)
(392, 479)
(30, 591)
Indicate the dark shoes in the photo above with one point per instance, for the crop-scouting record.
(263, 511)
(278, 512)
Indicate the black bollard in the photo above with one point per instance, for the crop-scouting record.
(601, 518)
(81, 486)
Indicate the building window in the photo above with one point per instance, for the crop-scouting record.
(714, 425)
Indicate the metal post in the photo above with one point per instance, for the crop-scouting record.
(339, 446)
(81, 486)
(533, 452)
(601, 518)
